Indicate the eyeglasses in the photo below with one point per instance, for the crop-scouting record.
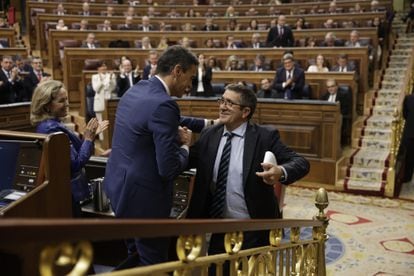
(227, 102)
(330, 86)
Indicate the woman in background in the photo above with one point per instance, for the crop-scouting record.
(48, 108)
(202, 82)
(103, 83)
(319, 66)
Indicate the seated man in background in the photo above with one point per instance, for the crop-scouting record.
(90, 42)
(335, 94)
(35, 76)
(266, 90)
(127, 78)
(343, 65)
(259, 64)
(289, 79)
(149, 69)
(11, 84)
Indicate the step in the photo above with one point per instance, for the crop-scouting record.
(370, 158)
(366, 174)
(361, 186)
(379, 121)
(375, 144)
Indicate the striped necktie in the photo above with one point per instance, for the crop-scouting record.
(219, 196)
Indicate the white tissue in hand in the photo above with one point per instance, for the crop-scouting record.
(270, 158)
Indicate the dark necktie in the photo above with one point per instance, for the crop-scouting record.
(219, 196)
(8, 74)
(289, 75)
(39, 76)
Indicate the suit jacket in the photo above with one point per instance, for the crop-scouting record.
(150, 27)
(274, 39)
(146, 156)
(104, 86)
(264, 67)
(296, 87)
(85, 45)
(206, 80)
(271, 93)
(80, 152)
(10, 92)
(4, 43)
(31, 81)
(260, 199)
(345, 100)
(123, 84)
(127, 28)
(210, 28)
(408, 114)
(349, 68)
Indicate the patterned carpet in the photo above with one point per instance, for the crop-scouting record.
(368, 235)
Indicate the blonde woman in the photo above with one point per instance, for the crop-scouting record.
(319, 66)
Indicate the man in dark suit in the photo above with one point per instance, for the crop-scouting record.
(90, 42)
(149, 150)
(11, 84)
(233, 182)
(151, 67)
(259, 64)
(266, 90)
(280, 35)
(145, 26)
(255, 42)
(343, 65)
(127, 77)
(128, 26)
(4, 43)
(210, 26)
(289, 79)
(408, 136)
(335, 94)
(35, 76)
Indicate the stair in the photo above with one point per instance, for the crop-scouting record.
(368, 166)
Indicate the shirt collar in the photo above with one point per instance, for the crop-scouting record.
(240, 131)
(164, 84)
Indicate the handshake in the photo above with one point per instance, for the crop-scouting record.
(185, 136)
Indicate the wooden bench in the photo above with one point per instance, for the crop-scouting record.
(8, 34)
(16, 116)
(312, 128)
(315, 20)
(75, 58)
(13, 52)
(35, 8)
(56, 37)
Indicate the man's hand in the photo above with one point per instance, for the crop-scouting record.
(271, 173)
(185, 135)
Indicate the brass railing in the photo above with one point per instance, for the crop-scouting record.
(48, 246)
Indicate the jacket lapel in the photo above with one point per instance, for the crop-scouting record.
(249, 150)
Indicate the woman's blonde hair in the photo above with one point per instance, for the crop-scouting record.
(43, 95)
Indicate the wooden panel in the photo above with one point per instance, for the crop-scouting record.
(315, 20)
(72, 73)
(9, 34)
(15, 117)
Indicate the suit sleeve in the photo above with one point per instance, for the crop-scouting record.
(164, 122)
(295, 165)
(195, 124)
(278, 81)
(290, 39)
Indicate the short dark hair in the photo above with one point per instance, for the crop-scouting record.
(175, 55)
(247, 96)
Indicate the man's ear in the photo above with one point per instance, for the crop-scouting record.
(246, 111)
(177, 70)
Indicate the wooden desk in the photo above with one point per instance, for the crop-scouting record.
(51, 197)
(312, 128)
(10, 35)
(74, 61)
(16, 116)
(314, 20)
(199, 37)
(13, 52)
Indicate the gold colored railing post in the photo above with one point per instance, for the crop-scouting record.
(319, 233)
